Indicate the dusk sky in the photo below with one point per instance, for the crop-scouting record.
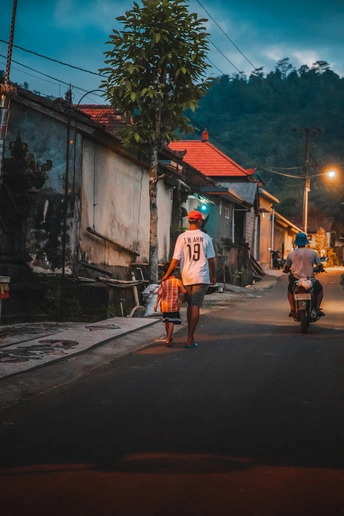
(75, 32)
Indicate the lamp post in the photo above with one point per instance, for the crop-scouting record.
(330, 173)
(307, 186)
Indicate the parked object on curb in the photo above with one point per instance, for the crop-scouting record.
(4, 294)
(277, 260)
(150, 294)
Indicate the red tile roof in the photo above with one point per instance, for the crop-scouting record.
(104, 115)
(208, 159)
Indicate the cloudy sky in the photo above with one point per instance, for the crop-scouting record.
(242, 33)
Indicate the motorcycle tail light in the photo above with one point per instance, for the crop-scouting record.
(298, 289)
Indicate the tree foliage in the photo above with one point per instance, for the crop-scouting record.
(156, 64)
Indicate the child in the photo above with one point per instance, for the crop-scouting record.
(168, 294)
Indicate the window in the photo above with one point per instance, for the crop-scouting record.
(226, 212)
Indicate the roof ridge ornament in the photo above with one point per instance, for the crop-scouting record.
(205, 136)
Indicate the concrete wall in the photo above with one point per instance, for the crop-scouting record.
(106, 192)
(250, 230)
(115, 204)
(46, 139)
(221, 224)
(265, 239)
(115, 201)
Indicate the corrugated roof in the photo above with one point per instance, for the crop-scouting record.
(268, 195)
(247, 191)
(279, 217)
(208, 159)
(228, 193)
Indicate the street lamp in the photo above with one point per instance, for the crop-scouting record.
(330, 173)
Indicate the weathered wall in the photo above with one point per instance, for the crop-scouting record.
(105, 192)
(220, 222)
(46, 139)
(115, 202)
(250, 229)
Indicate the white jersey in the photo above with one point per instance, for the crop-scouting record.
(193, 248)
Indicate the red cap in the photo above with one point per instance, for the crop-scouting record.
(195, 215)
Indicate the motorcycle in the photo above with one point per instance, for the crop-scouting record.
(304, 302)
(277, 261)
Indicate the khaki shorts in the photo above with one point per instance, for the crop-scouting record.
(195, 294)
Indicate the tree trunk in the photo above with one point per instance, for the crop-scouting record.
(153, 186)
(153, 235)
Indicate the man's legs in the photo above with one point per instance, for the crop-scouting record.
(319, 294)
(291, 301)
(195, 296)
(193, 318)
(318, 300)
(291, 281)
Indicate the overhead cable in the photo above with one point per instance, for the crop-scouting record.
(58, 81)
(54, 60)
(254, 67)
(229, 39)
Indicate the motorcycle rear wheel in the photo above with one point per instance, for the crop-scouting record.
(304, 322)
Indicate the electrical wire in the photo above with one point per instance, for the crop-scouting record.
(230, 62)
(53, 60)
(229, 39)
(254, 67)
(58, 81)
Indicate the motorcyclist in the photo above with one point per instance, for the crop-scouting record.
(300, 263)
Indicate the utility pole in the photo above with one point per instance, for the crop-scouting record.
(307, 186)
(6, 91)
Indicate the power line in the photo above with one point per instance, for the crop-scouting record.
(54, 60)
(230, 62)
(229, 39)
(214, 66)
(58, 81)
(37, 71)
(254, 67)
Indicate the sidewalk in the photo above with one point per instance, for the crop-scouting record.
(71, 349)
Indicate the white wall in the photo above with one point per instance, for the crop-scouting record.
(164, 200)
(120, 191)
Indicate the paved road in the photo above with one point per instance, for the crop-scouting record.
(250, 423)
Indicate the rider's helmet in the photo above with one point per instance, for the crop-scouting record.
(301, 239)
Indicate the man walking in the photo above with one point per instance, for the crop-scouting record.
(194, 252)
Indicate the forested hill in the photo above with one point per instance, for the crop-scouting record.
(261, 121)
